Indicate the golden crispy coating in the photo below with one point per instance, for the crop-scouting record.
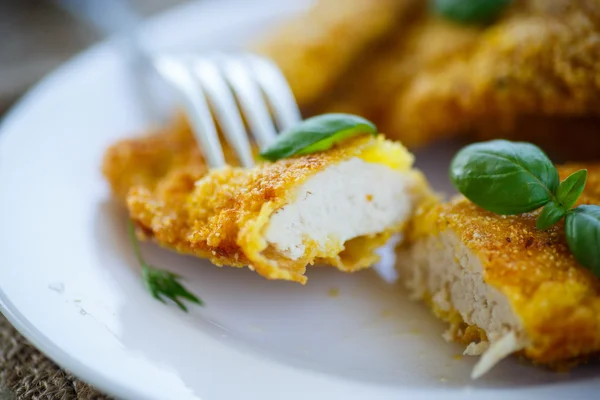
(557, 300)
(370, 88)
(222, 214)
(148, 160)
(314, 49)
(531, 75)
(541, 60)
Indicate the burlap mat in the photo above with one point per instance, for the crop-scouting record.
(25, 373)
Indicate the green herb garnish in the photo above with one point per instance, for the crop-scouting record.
(571, 188)
(469, 11)
(505, 177)
(160, 282)
(511, 178)
(550, 215)
(317, 134)
(582, 229)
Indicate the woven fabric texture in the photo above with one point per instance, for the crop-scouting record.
(25, 373)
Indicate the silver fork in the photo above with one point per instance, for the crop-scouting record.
(207, 85)
(214, 83)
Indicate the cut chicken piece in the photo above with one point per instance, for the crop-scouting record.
(344, 201)
(503, 285)
(335, 207)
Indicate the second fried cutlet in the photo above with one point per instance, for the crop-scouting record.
(540, 60)
(531, 75)
(503, 285)
(316, 48)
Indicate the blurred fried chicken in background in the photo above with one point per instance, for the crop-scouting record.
(315, 48)
(533, 74)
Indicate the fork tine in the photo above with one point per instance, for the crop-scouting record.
(276, 89)
(181, 77)
(225, 109)
(250, 98)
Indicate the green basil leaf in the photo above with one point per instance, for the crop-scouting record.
(316, 134)
(551, 214)
(582, 229)
(504, 177)
(470, 11)
(571, 188)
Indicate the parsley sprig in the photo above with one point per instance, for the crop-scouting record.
(511, 178)
(160, 282)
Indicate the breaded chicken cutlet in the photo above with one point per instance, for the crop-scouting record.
(335, 207)
(429, 78)
(503, 285)
(315, 48)
(541, 59)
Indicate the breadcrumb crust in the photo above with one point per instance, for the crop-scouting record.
(557, 300)
(221, 214)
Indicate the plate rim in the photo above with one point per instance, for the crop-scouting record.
(34, 335)
(19, 322)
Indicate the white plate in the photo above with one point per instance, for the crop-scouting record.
(69, 283)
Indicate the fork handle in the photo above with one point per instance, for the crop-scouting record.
(111, 18)
(116, 18)
(108, 17)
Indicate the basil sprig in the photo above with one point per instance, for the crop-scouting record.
(317, 134)
(505, 177)
(511, 178)
(470, 11)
